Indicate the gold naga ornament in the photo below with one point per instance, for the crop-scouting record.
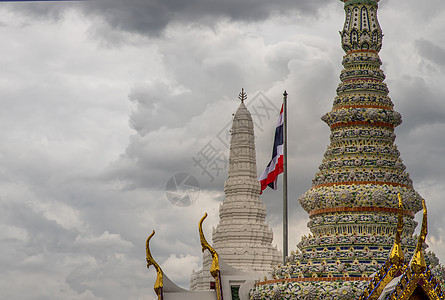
(160, 274)
(396, 256)
(214, 269)
(418, 264)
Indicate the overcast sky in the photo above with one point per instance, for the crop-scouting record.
(104, 101)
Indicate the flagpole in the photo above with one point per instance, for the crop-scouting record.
(285, 226)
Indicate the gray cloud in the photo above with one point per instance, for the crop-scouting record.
(418, 102)
(43, 10)
(430, 51)
(153, 16)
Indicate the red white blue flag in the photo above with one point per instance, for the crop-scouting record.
(275, 166)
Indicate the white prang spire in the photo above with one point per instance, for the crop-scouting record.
(242, 237)
(242, 177)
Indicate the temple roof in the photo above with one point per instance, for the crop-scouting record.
(413, 280)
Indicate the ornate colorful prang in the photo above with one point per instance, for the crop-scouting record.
(353, 203)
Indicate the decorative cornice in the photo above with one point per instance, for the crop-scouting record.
(359, 209)
(363, 51)
(362, 123)
(342, 115)
(350, 2)
(313, 279)
(361, 106)
(361, 183)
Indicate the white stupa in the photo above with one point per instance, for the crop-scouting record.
(242, 238)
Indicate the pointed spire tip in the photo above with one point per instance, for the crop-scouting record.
(242, 96)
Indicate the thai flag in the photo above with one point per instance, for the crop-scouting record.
(275, 166)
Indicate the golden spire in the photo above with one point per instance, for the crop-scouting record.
(396, 256)
(418, 264)
(214, 269)
(242, 96)
(151, 262)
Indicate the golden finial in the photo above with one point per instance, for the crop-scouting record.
(418, 264)
(151, 262)
(214, 269)
(242, 96)
(396, 256)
